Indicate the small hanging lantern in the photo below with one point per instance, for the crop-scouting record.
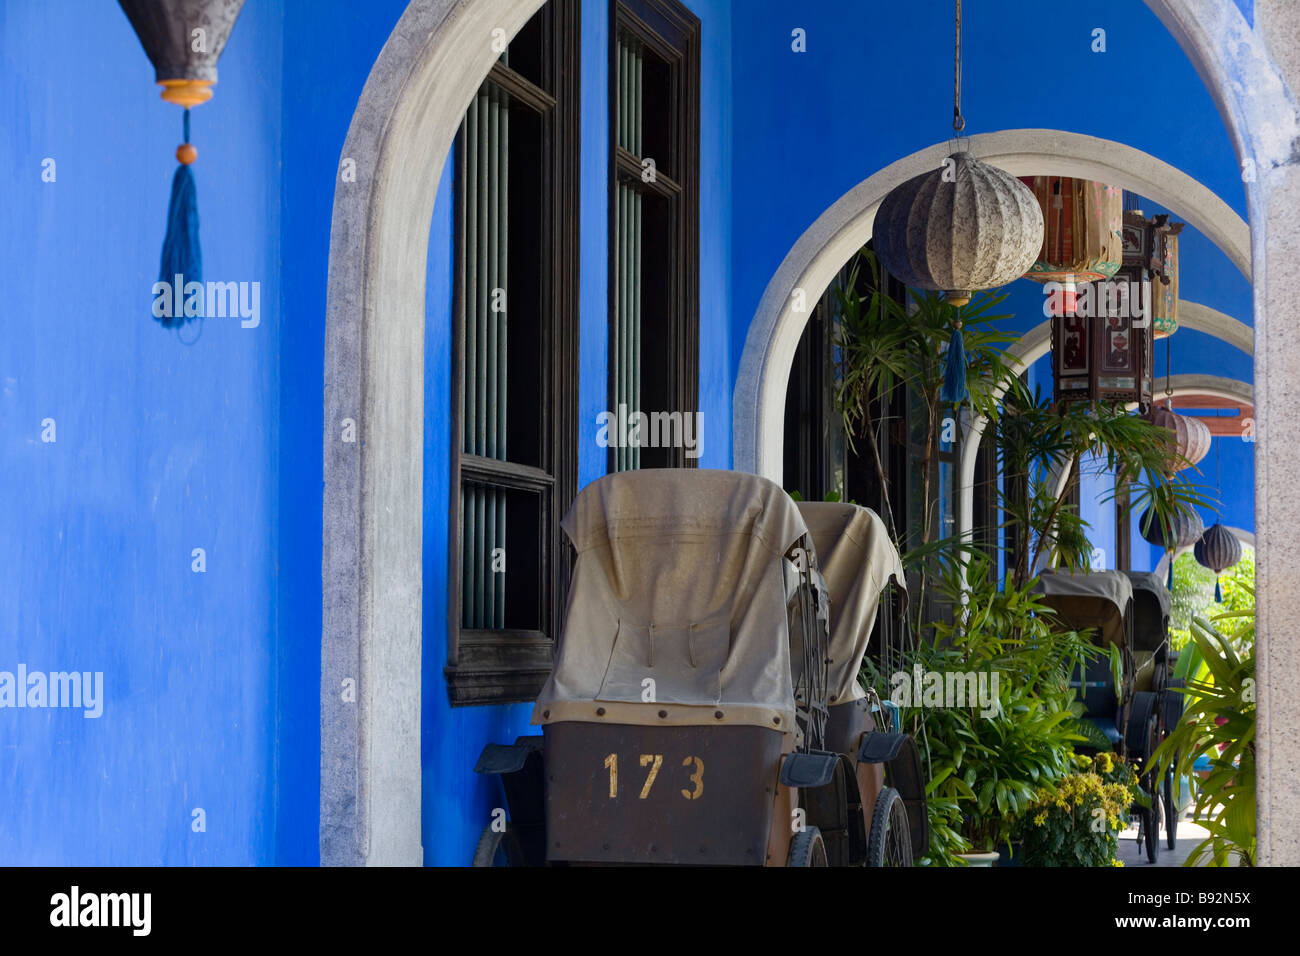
(1183, 531)
(1151, 256)
(184, 40)
(1191, 438)
(1164, 294)
(1217, 549)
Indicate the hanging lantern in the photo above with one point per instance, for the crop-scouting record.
(1101, 350)
(1151, 255)
(1182, 532)
(1164, 294)
(1217, 549)
(1082, 235)
(1191, 438)
(962, 227)
(1098, 354)
(184, 40)
(1186, 531)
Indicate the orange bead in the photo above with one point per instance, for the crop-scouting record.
(186, 153)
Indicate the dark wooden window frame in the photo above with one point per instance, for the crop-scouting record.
(673, 32)
(503, 666)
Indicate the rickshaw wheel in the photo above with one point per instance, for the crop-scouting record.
(1171, 812)
(499, 848)
(890, 843)
(1151, 827)
(807, 848)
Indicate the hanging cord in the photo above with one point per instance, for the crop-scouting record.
(198, 334)
(1218, 477)
(1169, 381)
(958, 121)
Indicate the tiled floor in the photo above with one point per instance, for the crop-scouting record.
(1189, 835)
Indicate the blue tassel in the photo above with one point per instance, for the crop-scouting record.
(1169, 585)
(954, 370)
(181, 255)
(1218, 592)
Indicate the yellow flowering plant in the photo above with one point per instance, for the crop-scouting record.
(1077, 820)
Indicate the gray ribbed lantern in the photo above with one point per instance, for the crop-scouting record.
(1191, 437)
(1187, 529)
(1218, 549)
(962, 227)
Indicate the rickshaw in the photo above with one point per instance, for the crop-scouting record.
(688, 713)
(857, 561)
(1151, 600)
(1101, 603)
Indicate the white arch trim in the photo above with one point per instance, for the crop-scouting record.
(758, 412)
(404, 125)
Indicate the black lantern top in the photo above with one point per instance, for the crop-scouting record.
(184, 40)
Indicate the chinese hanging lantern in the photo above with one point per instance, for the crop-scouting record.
(1217, 549)
(1151, 256)
(1082, 238)
(1164, 293)
(184, 40)
(1191, 438)
(1100, 353)
(1184, 530)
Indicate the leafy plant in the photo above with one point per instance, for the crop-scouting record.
(885, 345)
(1077, 821)
(990, 765)
(1043, 446)
(1219, 724)
(946, 840)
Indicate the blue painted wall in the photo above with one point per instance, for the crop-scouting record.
(160, 448)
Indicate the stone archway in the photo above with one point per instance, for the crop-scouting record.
(404, 125)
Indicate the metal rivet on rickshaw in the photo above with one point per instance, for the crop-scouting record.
(717, 714)
(546, 713)
(663, 713)
(600, 711)
(776, 720)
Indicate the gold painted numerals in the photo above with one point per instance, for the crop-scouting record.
(696, 778)
(611, 764)
(654, 762)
